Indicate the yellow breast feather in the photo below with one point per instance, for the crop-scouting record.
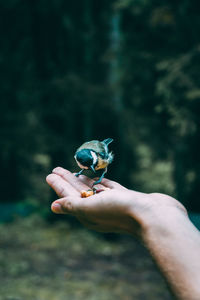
(102, 164)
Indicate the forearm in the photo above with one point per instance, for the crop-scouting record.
(174, 243)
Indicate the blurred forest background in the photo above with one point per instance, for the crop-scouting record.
(75, 71)
(72, 72)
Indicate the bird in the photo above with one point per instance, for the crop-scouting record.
(94, 155)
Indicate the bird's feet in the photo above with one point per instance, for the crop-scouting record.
(79, 173)
(100, 179)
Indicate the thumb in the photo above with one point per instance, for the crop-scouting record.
(64, 205)
(75, 205)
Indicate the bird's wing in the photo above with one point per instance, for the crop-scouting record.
(95, 145)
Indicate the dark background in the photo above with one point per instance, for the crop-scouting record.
(73, 71)
(76, 71)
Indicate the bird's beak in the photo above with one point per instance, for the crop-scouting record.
(92, 168)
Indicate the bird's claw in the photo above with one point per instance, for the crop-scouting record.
(97, 182)
(79, 173)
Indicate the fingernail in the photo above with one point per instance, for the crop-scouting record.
(56, 207)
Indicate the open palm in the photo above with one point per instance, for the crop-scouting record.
(107, 211)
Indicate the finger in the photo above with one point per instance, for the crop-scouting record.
(86, 180)
(71, 179)
(69, 205)
(90, 182)
(111, 184)
(60, 186)
(82, 207)
(105, 183)
(66, 205)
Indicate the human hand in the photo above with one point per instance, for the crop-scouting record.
(160, 221)
(115, 210)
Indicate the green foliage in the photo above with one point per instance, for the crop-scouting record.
(58, 262)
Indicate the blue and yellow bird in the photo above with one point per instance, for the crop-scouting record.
(94, 155)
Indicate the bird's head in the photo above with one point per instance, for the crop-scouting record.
(86, 159)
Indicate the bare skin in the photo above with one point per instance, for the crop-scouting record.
(158, 220)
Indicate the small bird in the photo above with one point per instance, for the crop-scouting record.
(94, 155)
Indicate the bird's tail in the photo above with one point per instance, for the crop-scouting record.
(110, 157)
(107, 141)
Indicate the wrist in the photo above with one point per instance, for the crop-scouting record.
(174, 244)
(156, 213)
(165, 223)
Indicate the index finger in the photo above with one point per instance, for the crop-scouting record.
(88, 181)
(111, 184)
(75, 182)
(60, 186)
